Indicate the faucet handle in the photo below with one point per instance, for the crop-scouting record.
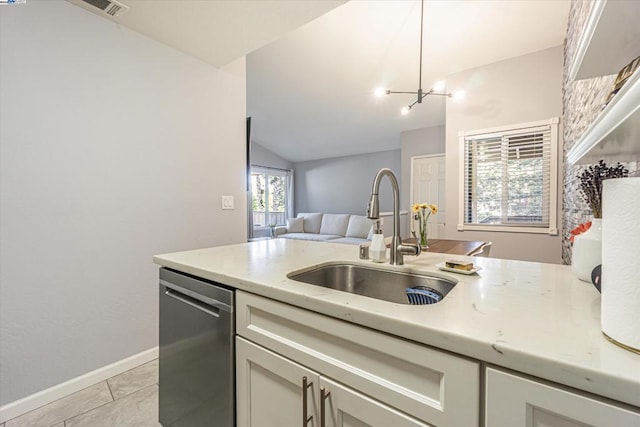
(410, 249)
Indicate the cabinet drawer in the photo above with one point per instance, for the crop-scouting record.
(431, 385)
(512, 400)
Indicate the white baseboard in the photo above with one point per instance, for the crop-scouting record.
(41, 398)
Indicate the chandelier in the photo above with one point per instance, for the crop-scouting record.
(437, 89)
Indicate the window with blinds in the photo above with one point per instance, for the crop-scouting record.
(509, 179)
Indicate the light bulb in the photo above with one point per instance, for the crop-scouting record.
(379, 91)
(405, 110)
(439, 86)
(458, 95)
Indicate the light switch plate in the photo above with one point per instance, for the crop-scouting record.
(227, 202)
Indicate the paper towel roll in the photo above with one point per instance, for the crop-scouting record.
(621, 261)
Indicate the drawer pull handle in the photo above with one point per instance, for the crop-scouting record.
(305, 416)
(323, 396)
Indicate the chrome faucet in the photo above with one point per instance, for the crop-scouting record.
(398, 249)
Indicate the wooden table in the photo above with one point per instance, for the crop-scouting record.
(454, 247)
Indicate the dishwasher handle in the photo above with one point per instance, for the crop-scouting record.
(206, 304)
(213, 311)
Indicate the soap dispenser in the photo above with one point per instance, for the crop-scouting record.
(378, 248)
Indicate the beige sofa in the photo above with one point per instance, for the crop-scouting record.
(324, 227)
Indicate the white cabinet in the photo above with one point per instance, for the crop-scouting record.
(274, 391)
(513, 401)
(344, 407)
(404, 380)
(269, 388)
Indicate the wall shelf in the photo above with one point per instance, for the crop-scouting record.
(615, 134)
(609, 41)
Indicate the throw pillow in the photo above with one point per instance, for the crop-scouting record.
(295, 225)
(359, 227)
(334, 224)
(312, 222)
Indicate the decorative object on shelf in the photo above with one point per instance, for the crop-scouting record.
(421, 213)
(437, 89)
(591, 183)
(622, 78)
(620, 266)
(587, 248)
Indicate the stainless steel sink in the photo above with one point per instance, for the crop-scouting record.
(393, 286)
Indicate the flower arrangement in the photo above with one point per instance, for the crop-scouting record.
(591, 183)
(421, 213)
(579, 230)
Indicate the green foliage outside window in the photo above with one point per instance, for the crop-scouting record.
(268, 198)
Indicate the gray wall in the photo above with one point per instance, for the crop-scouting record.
(262, 157)
(343, 184)
(113, 148)
(517, 90)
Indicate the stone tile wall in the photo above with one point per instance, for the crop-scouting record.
(582, 102)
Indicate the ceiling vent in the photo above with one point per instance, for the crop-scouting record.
(111, 8)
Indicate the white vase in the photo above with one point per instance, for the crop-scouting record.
(587, 251)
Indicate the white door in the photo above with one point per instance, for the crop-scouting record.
(344, 407)
(427, 186)
(270, 391)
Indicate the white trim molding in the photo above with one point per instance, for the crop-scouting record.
(41, 398)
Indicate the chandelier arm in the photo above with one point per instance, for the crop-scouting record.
(448, 94)
(391, 91)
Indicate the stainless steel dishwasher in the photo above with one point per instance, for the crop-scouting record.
(197, 353)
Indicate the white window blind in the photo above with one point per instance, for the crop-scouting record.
(509, 178)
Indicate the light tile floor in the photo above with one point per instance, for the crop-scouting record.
(126, 400)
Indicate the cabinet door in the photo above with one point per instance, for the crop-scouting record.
(427, 384)
(269, 389)
(344, 407)
(513, 401)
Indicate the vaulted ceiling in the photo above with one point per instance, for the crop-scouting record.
(312, 64)
(310, 93)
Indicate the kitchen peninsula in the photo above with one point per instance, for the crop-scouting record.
(517, 329)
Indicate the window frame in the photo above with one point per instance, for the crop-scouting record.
(553, 125)
(267, 172)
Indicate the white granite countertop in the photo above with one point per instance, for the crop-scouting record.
(534, 318)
